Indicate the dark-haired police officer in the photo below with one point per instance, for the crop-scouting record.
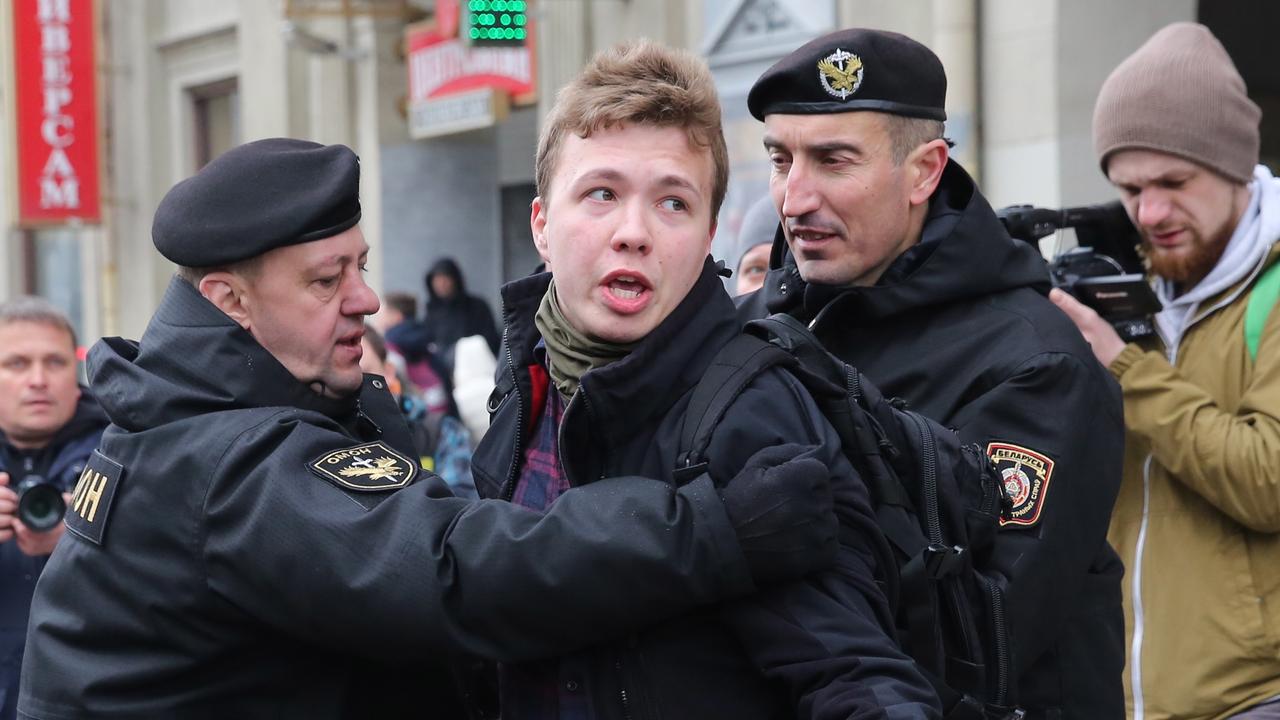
(903, 270)
(252, 538)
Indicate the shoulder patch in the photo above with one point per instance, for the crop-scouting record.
(91, 499)
(1025, 474)
(371, 467)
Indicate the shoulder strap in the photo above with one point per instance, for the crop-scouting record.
(1261, 299)
(734, 367)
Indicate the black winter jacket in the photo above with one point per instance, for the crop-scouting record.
(814, 649)
(961, 329)
(225, 562)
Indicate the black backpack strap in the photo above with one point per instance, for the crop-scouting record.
(734, 367)
(795, 337)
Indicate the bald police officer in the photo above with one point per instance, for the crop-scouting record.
(903, 270)
(253, 538)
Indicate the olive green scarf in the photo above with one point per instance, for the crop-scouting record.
(570, 353)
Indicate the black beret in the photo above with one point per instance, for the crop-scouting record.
(851, 70)
(257, 197)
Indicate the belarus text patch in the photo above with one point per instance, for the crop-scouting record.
(1025, 474)
(91, 500)
(371, 467)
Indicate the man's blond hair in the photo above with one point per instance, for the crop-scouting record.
(644, 83)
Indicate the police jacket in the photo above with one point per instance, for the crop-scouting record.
(814, 649)
(244, 547)
(960, 327)
(59, 462)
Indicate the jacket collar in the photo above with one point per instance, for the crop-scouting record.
(193, 359)
(964, 252)
(641, 388)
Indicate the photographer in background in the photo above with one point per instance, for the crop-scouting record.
(48, 427)
(1198, 514)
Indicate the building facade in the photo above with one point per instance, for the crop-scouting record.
(182, 80)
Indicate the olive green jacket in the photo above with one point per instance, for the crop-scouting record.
(1197, 522)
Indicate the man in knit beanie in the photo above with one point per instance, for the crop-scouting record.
(1198, 515)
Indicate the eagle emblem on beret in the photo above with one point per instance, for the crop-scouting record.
(840, 73)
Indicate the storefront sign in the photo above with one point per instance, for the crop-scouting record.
(443, 66)
(57, 111)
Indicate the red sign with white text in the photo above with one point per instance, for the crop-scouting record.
(441, 65)
(57, 110)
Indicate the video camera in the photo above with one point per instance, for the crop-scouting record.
(1104, 271)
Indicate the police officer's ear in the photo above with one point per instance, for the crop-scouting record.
(924, 168)
(227, 291)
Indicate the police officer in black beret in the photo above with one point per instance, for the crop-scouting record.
(891, 253)
(253, 539)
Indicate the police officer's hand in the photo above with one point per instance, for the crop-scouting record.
(1103, 338)
(781, 507)
(8, 507)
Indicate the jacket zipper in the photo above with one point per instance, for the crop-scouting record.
(1135, 650)
(509, 487)
(564, 467)
(929, 463)
(1002, 641)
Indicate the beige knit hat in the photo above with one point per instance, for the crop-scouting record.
(1180, 93)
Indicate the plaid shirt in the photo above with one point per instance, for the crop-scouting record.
(548, 689)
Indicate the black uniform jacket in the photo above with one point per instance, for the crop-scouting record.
(216, 572)
(961, 329)
(815, 649)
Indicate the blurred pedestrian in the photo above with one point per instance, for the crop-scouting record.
(411, 340)
(442, 441)
(453, 314)
(755, 240)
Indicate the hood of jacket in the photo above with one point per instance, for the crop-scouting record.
(193, 359)
(642, 387)
(964, 252)
(446, 266)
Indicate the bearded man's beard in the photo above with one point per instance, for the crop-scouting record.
(1187, 267)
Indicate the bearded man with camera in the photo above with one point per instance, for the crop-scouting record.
(1197, 522)
(48, 427)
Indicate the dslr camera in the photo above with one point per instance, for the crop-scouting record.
(1104, 271)
(40, 504)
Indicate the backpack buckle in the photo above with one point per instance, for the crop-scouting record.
(687, 470)
(941, 561)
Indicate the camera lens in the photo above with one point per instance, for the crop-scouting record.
(40, 504)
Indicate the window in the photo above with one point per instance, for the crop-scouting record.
(216, 116)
